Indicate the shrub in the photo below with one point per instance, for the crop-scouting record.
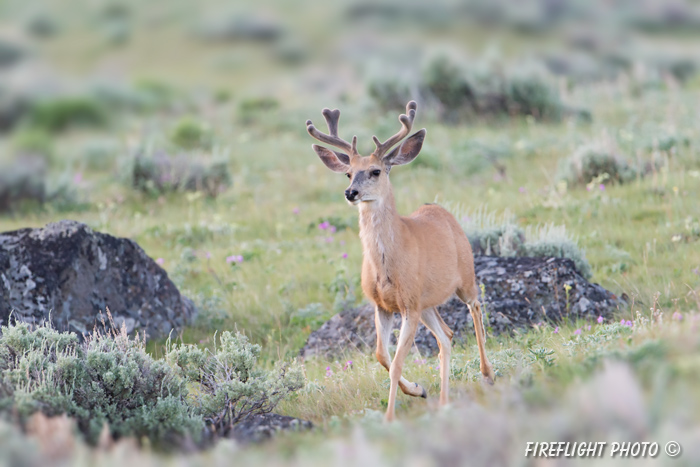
(252, 108)
(444, 80)
(191, 134)
(25, 185)
(291, 52)
(22, 182)
(530, 95)
(456, 92)
(158, 173)
(240, 28)
(34, 142)
(99, 154)
(11, 52)
(42, 25)
(227, 386)
(61, 113)
(502, 237)
(389, 93)
(115, 22)
(143, 96)
(552, 240)
(108, 378)
(592, 161)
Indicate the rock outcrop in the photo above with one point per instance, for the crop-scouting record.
(519, 291)
(262, 427)
(68, 274)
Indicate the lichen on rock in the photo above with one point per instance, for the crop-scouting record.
(519, 292)
(68, 274)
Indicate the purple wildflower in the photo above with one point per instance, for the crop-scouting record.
(600, 320)
(295, 210)
(324, 225)
(589, 327)
(348, 364)
(522, 189)
(345, 255)
(332, 229)
(677, 316)
(329, 372)
(77, 178)
(556, 330)
(234, 259)
(577, 332)
(160, 261)
(601, 187)
(622, 322)
(329, 239)
(629, 323)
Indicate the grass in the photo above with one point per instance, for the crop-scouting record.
(639, 237)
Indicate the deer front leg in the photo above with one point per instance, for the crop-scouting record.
(408, 331)
(383, 321)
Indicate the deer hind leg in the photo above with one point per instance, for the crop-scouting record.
(442, 332)
(408, 331)
(475, 310)
(383, 321)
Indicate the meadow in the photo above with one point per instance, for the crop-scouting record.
(271, 248)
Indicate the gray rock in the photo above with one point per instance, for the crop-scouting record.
(262, 427)
(68, 274)
(519, 292)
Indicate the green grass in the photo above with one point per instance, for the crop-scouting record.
(640, 237)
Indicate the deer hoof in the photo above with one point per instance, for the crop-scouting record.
(487, 379)
(424, 394)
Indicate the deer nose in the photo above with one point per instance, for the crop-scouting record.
(350, 194)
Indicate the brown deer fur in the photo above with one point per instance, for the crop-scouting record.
(410, 264)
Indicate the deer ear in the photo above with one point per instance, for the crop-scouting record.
(333, 160)
(408, 150)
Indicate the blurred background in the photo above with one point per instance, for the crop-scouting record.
(181, 125)
(84, 85)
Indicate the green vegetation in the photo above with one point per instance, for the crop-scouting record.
(483, 91)
(138, 117)
(191, 134)
(62, 113)
(110, 380)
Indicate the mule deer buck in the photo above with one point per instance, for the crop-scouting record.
(410, 264)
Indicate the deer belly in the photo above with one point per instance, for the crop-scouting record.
(383, 293)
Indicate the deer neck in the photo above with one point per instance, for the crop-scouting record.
(380, 232)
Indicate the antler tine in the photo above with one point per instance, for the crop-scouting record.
(332, 117)
(406, 125)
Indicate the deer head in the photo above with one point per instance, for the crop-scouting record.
(369, 175)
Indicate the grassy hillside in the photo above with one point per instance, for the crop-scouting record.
(216, 82)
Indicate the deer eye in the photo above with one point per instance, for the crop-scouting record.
(376, 173)
(348, 175)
